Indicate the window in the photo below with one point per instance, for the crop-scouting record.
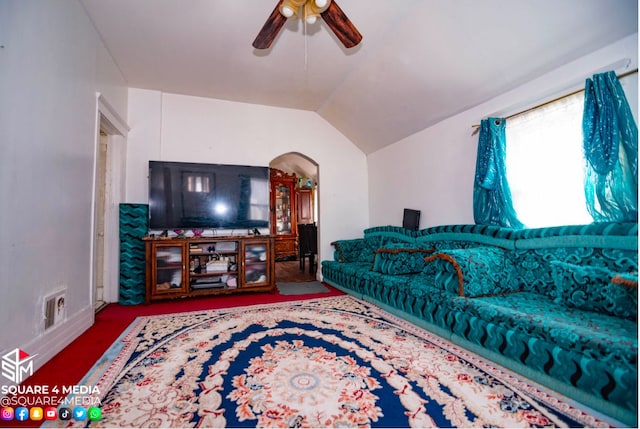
(198, 183)
(259, 194)
(545, 164)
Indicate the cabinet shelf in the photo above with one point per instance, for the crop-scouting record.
(170, 267)
(217, 273)
(222, 253)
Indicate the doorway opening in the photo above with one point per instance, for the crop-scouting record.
(302, 212)
(99, 238)
(109, 191)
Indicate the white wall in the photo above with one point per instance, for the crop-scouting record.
(51, 65)
(433, 170)
(172, 127)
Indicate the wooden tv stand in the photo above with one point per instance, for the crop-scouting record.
(198, 266)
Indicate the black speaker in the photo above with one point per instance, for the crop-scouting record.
(411, 219)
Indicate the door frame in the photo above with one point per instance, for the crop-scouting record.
(110, 122)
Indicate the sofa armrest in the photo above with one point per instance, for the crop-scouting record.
(474, 272)
(349, 250)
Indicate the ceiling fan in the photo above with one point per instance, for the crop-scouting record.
(329, 10)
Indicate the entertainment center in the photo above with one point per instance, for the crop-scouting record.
(200, 197)
(197, 266)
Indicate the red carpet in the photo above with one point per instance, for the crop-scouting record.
(71, 364)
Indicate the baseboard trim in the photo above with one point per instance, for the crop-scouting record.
(51, 342)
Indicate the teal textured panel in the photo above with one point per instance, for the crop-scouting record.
(468, 238)
(133, 226)
(390, 231)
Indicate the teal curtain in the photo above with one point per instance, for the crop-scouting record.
(492, 204)
(611, 151)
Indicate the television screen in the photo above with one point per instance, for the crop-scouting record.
(193, 195)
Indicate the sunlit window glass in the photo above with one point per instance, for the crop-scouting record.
(545, 164)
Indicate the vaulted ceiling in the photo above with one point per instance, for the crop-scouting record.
(420, 61)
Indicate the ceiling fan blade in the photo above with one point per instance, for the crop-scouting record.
(341, 26)
(270, 29)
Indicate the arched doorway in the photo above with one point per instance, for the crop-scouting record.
(296, 266)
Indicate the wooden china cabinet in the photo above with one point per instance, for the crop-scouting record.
(283, 214)
(304, 206)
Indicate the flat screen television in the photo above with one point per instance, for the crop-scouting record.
(185, 195)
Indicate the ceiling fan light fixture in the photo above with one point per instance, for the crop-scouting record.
(287, 12)
(290, 8)
(331, 14)
(312, 11)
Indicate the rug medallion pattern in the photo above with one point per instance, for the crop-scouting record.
(333, 361)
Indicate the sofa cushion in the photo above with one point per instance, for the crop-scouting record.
(399, 258)
(346, 274)
(349, 250)
(474, 272)
(596, 335)
(596, 289)
(535, 273)
(371, 244)
(594, 352)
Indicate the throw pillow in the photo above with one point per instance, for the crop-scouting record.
(596, 289)
(399, 258)
(474, 272)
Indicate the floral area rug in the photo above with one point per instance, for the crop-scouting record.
(325, 362)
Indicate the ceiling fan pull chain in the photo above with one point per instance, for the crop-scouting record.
(306, 45)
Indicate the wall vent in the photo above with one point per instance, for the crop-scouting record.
(54, 309)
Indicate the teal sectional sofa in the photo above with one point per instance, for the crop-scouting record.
(558, 304)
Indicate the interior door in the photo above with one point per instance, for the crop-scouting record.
(99, 240)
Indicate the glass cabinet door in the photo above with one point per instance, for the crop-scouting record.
(255, 264)
(169, 264)
(283, 210)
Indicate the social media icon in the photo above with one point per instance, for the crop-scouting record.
(36, 414)
(50, 413)
(79, 413)
(94, 413)
(64, 413)
(7, 413)
(22, 414)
